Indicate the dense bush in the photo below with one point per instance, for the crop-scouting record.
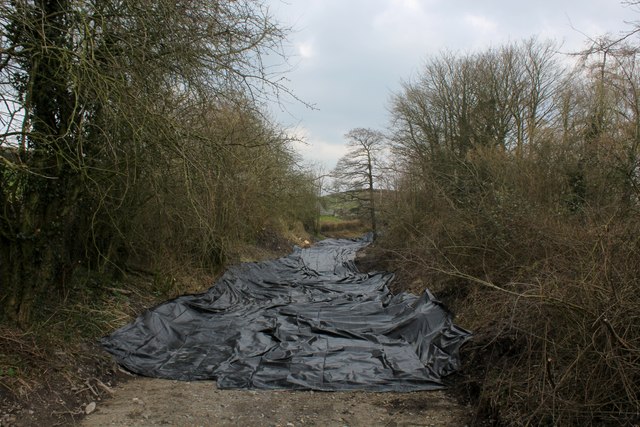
(126, 142)
(518, 203)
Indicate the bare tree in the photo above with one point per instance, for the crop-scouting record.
(96, 100)
(357, 173)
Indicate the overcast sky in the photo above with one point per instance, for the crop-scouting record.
(351, 55)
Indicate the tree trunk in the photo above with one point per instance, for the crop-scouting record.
(26, 281)
(372, 203)
(34, 255)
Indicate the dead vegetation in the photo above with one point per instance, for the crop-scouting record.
(529, 233)
(342, 228)
(557, 343)
(51, 372)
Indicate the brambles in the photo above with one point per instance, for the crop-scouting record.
(518, 203)
(128, 144)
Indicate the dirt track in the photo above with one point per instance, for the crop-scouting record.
(154, 402)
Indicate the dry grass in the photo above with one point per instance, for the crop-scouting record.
(53, 368)
(339, 228)
(56, 365)
(551, 294)
(556, 343)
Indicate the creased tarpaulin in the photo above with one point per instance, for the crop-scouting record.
(309, 320)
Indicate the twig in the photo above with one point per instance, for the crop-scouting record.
(105, 387)
(95, 393)
(119, 290)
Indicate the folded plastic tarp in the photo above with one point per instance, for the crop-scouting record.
(309, 320)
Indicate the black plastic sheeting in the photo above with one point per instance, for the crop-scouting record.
(309, 320)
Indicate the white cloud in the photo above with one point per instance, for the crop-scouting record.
(353, 53)
(481, 23)
(409, 5)
(305, 49)
(404, 22)
(315, 150)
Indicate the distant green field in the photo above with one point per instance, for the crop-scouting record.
(342, 228)
(339, 205)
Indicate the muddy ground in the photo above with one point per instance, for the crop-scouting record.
(156, 402)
